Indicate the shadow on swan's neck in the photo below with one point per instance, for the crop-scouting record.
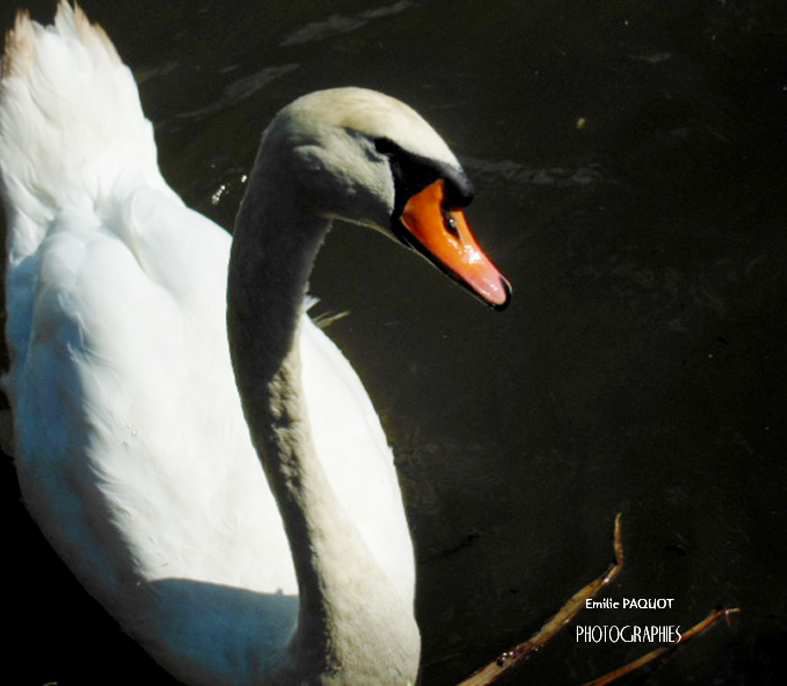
(351, 620)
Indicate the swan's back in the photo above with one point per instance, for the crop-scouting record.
(130, 446)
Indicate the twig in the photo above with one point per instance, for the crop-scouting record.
(520, 653)
(661, 653)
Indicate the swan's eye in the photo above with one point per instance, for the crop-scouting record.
(450, 224)
(385, 146)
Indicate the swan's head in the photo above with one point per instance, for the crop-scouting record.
(367, 158)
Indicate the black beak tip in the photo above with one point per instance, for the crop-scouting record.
(499, 307)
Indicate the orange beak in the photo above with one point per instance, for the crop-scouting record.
(445, 239)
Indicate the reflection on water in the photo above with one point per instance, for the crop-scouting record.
(514, 172)
(630, 165)
(241, 89)
(337, 24)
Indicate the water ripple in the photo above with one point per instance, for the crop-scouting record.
(145, 74)
(338, 24)
(558, 177)
(240, 90)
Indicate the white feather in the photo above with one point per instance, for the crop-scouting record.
(130, 445)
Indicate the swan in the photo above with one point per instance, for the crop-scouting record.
(197, 451)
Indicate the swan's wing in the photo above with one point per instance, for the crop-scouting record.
(62, 152)
(46, 74)
(131, 449)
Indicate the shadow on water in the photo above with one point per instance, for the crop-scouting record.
(631, 167)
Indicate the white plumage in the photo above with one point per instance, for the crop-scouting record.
(130, 445)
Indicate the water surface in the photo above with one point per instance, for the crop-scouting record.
(630, 164)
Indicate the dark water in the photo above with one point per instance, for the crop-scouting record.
(632, 182)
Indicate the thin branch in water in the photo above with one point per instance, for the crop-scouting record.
(659, 654)
(520, 653)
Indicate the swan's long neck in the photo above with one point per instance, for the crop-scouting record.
(349, 611)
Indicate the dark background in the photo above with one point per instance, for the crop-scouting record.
(632, 182)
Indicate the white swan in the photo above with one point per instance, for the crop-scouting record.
(131, 447)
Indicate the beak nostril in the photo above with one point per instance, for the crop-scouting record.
(450, 224)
